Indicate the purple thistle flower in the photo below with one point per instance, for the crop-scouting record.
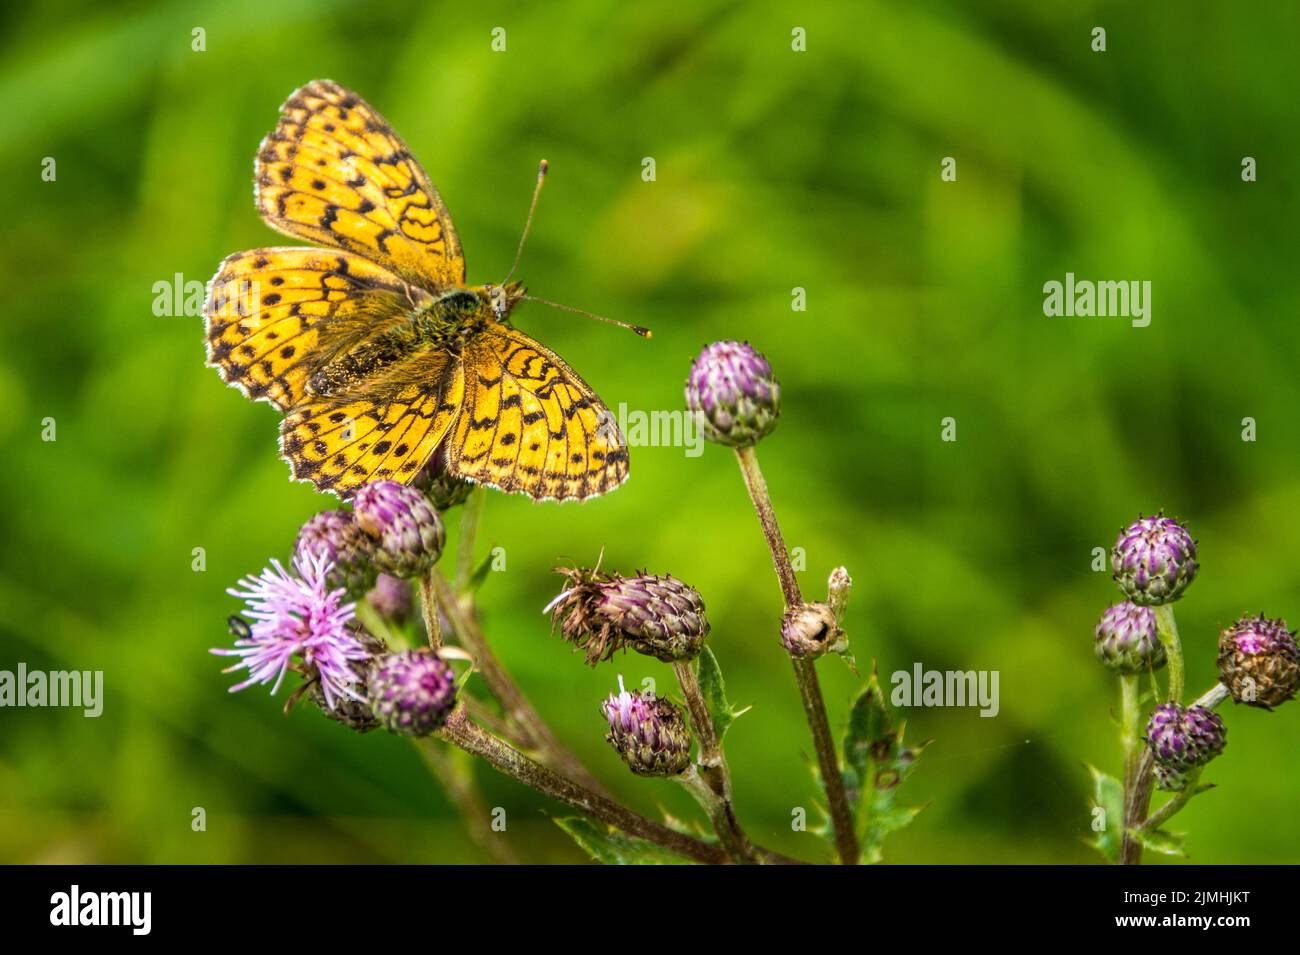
(1154, 560)
(648, 732)
(1259, 661)
(297, 616)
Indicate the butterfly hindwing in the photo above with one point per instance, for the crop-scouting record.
(333, 171)
(531, 424)
(339, 444)
(267, 311)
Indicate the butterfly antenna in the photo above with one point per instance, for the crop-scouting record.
(528, 223)
(639, 329)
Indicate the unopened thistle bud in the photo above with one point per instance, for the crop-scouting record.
(811, 630)
(443, 489)
(405, 533)
(1154, 560)
(658, 616)
(648, 732)
(1126, 639)
(336, 536)
(392, 597)
(733, 394)
(1259, 661)
(412, 692)
(1183, 739)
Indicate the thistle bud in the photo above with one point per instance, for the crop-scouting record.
(733, 394)
(1183, 739)
(443, 489)
(404, 530)
(1169, 779)
(1126, 639)
(1259, 661)
(648, 732)
(1154, 560)
(412, 692)
(392, 597)
(810, 630)
(658, 616)
(336, 536)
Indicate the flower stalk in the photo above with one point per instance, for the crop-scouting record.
(710, 779)
(805, 671)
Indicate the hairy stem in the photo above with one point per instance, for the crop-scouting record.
(469, 736)
(1167, 631)
(805, 671)
(1129, 721)
(1179, 800)
(537, 734)
(429, 606)
(711, 771)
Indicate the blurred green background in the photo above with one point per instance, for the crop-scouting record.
(775, 170)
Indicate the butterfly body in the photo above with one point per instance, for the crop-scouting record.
(375, 348)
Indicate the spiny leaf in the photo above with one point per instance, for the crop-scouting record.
(1108, 796)
(876, 762)
(715, 693)
(612, 847)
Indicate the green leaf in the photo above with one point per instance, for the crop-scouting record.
(877, 762)
(609, 846)
(715, 693)
(1108, 796)
(1166, 843)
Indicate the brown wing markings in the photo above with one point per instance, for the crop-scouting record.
(263, 301)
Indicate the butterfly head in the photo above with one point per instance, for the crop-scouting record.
(503, 298)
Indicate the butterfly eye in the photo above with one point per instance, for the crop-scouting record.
(239, 627)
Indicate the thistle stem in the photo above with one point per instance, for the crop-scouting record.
(429, 606)
(1167, 631)
(1130, 717)
(805, 672)
(374, 622)
(537, 734)
(1179, 800)
(711, 772)
(469, 736)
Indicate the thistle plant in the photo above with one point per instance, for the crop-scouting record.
(382, 633)
(1154, 562)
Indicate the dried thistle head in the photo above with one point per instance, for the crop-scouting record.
(656, 615)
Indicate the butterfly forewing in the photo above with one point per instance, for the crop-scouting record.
(333, 171)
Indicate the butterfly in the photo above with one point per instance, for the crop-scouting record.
(372, 345)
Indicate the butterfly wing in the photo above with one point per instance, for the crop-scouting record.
(275, 315)
(529, 423)
(333, 171)
(341, 443)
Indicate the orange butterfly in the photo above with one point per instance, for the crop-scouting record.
(375, 348)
